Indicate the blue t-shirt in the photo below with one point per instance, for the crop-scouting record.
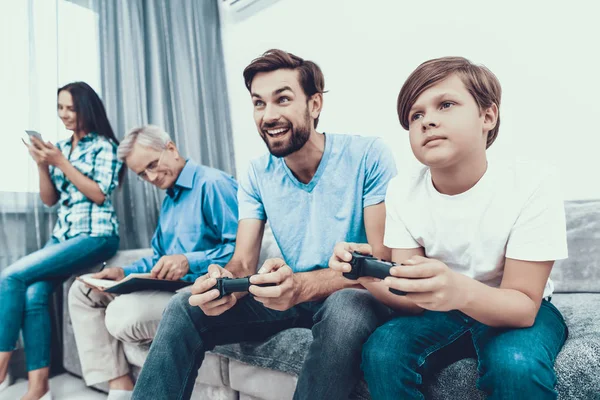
(307, 220)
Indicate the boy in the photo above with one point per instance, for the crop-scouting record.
(476, 241)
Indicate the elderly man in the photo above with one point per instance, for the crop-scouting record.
(197, 227)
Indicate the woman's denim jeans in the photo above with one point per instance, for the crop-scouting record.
(26, 286)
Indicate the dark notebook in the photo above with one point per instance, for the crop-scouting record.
(132, 283)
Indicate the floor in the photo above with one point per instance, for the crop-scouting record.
(63, 387)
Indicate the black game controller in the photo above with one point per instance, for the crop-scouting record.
(367, 265)
(227, 286)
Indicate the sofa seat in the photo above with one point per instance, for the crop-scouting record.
(269, 370)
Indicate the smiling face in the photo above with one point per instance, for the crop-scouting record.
(66, 110)
(446, 125)
(282, 112)
(160, 168)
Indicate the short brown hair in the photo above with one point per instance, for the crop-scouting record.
(479, 81)
(310, 75)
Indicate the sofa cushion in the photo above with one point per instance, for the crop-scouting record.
(261, 383)
(581, 271)
(578, 364)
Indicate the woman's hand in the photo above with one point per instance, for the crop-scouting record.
(35, 153)
(45, 153)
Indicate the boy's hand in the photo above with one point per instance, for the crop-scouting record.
(112, 273)
(205, 298)
(429, 283)
(171, 268)
(282, 296)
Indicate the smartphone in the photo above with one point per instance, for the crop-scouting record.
(35, 134)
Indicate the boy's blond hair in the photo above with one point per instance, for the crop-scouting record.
(479, 81)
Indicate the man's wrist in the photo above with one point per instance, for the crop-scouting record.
(298, 288)
(186, 263)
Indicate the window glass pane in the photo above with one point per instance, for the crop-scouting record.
(50, 44)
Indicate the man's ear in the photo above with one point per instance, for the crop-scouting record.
(490, 118)
(172, 148)
(315, 105)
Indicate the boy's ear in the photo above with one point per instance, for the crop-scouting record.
(490, 117)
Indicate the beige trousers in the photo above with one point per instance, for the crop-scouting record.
(102, 322)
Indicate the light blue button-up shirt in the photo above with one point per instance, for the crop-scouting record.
(198, 218)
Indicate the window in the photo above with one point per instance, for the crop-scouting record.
(50, 43)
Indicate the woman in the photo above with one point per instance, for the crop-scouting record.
(80, 174)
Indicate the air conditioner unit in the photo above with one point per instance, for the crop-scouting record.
(238, 10)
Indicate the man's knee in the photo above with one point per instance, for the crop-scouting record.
(77, 293)
(179, 304)
(129, 319)
(349, 314)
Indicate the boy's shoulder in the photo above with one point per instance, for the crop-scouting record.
(523, 177)
(408, 184)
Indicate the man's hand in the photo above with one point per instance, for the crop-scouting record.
(171, 268)
(430, 284)
(205, 298)
(113, 273)
(284, 295)
(342, 254)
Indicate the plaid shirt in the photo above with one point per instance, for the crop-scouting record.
(96, 157)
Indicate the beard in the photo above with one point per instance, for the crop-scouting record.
(298, 136)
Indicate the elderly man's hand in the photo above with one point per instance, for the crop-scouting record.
(171, 268)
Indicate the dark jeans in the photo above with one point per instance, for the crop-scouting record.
(513, 363)
(26, 286)
(340, 326)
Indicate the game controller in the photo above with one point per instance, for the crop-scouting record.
(227, 286)
(367, 265)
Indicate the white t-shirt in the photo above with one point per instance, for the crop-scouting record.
(515, 211)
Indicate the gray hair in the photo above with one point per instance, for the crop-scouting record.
(151, 136)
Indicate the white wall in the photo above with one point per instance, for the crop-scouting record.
(545, 53)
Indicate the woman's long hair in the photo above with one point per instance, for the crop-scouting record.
(91, 115)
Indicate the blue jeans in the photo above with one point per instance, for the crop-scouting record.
(26, 286)
(340, 326)
(513, 363)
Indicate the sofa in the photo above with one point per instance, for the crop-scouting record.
(268, 370)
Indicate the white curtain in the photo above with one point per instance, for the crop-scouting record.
(44, 44)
